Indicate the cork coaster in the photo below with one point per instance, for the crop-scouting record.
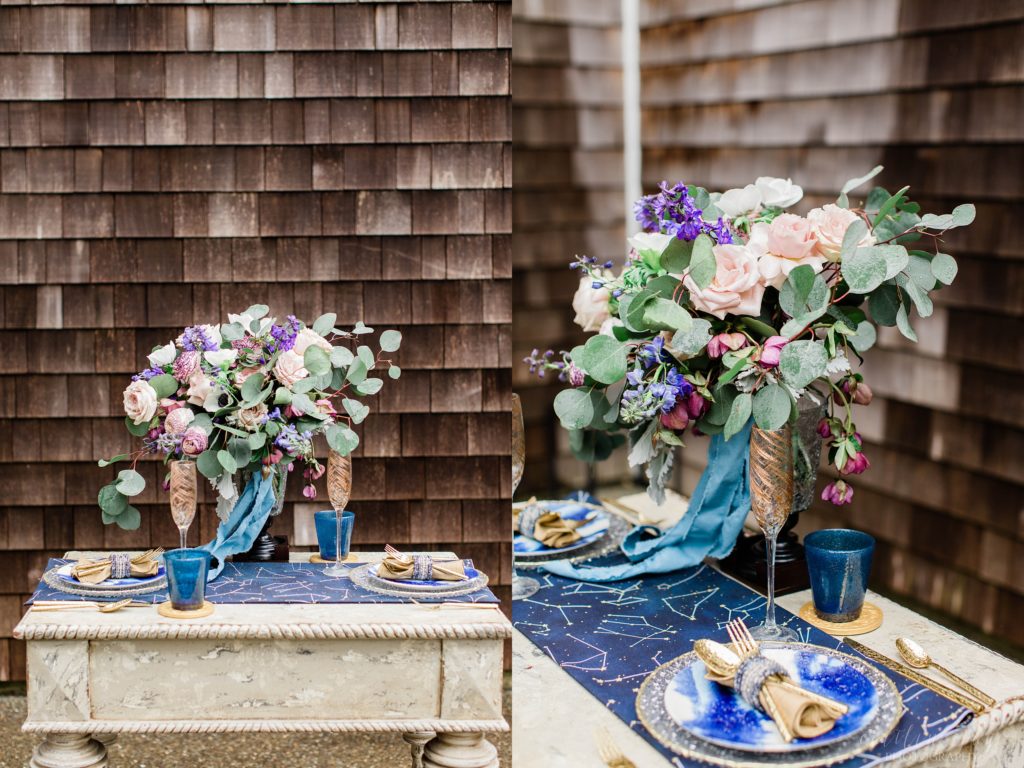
(869, 620)
(349, 558)
(167, 611)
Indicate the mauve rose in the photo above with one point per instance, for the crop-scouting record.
(199, 388)
(193, 442)
(168, 404)
(830, 223)
(177, 421)
(736, 288)
(290, 368)
(591, 305)
(838, 493)
(140, 401)
(696, 405)
(249, 418)
(724, 342)
(771, 352)
(678, 418)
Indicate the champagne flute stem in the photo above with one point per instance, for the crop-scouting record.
(770, 538)
(337, 537)
(183, 534)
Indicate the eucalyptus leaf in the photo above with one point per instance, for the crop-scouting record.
(316, 360)
(922, 302)
(282, 396)
(227, 461)
(887, 206)
(771, 407)
(356, 372)
(129, 520)
(114, 460)
(252, 386)
(208, 465)
(919, 270)
(365, 354)
(692, 340)
(130, 483)
(632, 313)
(702, 261)
(944, 268)
(257, 311)
(111, 500)
(355, 409)
(758, 326)
(852, 238)
(665, 315)
(574, 408)
(165, 385)
(903, 323)
(369, 386)
(394, 372)
(232, 331)
(721, 406)
(884, 304)
(843, 200)
(804, 295)
(739, 414)
(864, 269)
(341, 357)
(801, 362)
(361, 330)
(232, 430)
(895, 259)
(863, 338)
(257, 440)
(305, 385)
(325, 323)
(303, 404)
(604, 358)
(240, 451)
(676, 256)
(204, 422)
(390, 341)
(341, 439)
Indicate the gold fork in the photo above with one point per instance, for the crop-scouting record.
(746, 646)
(610, 752)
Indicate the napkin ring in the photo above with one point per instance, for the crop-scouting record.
(528, 518)
(751, 675)
(422, 567)
(120, 566)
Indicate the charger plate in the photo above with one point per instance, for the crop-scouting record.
(366, 577)
(701, 720)
(596, 528)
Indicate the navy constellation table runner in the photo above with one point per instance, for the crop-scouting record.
(277, 583)
(610, 637)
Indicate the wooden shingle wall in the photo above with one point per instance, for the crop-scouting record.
(162, 165)
(568, 197)
(822, 90)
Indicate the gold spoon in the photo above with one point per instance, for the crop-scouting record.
(917, 657)
(64, 605)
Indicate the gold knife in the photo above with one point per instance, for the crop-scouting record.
(955, 696)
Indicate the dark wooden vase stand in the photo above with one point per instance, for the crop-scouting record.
(748, 561)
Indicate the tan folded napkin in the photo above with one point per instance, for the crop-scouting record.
(97, 571)
(546, 527)
(802, 713)
(422, 568)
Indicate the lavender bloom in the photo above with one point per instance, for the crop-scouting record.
(148, 374)
(284, 335)
(293, 442)
(673, 211)
(195, 339)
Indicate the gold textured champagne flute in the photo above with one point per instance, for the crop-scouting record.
(183, 496)
(522, 586)
(771, 500)
(339, 491)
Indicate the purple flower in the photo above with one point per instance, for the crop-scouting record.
(856, 464)
(838, 493)
(284, 335)
(148, 374)
(196, 339)
(824, 429)
(673, 211)
(574, 375)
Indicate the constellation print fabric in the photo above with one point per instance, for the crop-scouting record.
(610, 637)
(280, 583)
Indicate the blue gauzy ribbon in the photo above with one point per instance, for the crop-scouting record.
(709, 528)
(236, 534)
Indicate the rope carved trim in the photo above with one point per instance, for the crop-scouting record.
(271, 726)
(496, 631)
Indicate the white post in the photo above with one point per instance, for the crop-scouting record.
(632, 149)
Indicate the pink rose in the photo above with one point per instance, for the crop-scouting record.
(306, 338)
(678, 418)
(193, 442)
(591, 305)
(177, 421)
(199, 388)
(787, 242)
(723, 342)
(140, 402)
(736, 288)
(290, 368)
(772, 351)
(830, 223)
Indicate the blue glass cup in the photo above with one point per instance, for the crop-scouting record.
(327, 533)
(186, 577)
(839, 563)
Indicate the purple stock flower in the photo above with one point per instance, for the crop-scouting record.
(147, 374)
(284, 335)
(196, 339)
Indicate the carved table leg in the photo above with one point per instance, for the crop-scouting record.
(106, 739)
(460, 750)
(68, 750)
(418, 740)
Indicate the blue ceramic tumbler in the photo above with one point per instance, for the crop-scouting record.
(327, 531)
(186, 577)
(839, 563)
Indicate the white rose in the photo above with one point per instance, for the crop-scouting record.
(165, 355)
(140, 402)
(199, 388)
(221, 356)
(308, 338)
(609, 325)
(650, 241)
(830, 224)
(591, 305)
(734, 203)
(290, 368)
(778, 193)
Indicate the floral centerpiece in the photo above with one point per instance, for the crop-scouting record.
(729, 309)
(246, 398)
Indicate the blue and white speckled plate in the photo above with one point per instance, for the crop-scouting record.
(64, 573)
(719, 715)
(595, 527)
(426, 584)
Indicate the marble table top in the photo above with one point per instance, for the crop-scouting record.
(557, 698)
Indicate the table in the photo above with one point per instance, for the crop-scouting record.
(545, 694)
(431, 673)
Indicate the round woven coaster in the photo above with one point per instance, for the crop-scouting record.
(870, 619)
(315, 558)
(167, 611)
